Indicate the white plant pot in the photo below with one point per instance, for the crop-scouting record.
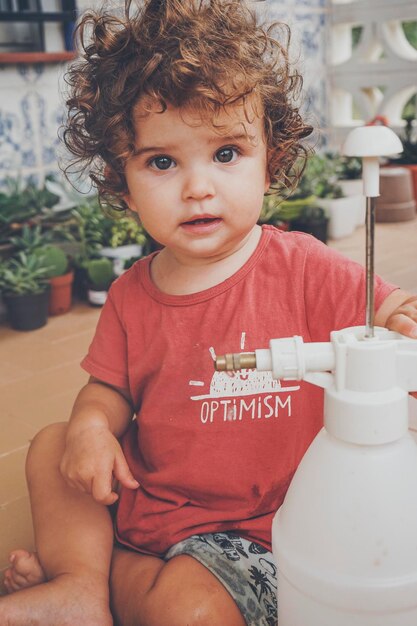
(342, 214)
(96, 298)
(352, 187)
(360, 210)
(121, 254)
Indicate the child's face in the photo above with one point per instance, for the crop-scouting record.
(198, 192)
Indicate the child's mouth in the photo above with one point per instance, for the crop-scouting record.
(201, 220)
(202, 224)
(205, 220)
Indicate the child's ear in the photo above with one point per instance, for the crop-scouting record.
(130, 203)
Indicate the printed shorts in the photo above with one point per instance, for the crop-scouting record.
(246, 569)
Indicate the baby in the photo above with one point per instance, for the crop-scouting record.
(153, 505)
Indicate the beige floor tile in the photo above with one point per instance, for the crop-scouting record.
(395, 251)
(80, 318)
(11, 373)
(75, 346)
(33, 355)
(12, 472)
(22, 398)
(14, 434)
(49, 408)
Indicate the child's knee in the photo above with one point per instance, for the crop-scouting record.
(191, 611)
(47, 443)
(181, 603)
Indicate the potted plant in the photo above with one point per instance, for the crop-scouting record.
(349, 178)
(21, 203)
(349, 174)
(312, 220)
(31, 237)
(299, 211)
(281, 212)
(107, 234)
(88, 228)
(341, 211)
(25, 290)
(60, 276)
(124, 241)
(100, 275)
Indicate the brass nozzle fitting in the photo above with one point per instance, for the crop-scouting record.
(235, 362)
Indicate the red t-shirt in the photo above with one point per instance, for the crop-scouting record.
(214, 451)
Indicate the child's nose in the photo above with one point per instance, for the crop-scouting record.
(198, 185)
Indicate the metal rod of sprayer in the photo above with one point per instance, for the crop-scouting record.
(370, 255)
(370, 143)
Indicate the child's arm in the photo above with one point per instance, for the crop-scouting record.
(399, 312)
(93, 457)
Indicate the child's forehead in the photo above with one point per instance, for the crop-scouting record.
(228, 119)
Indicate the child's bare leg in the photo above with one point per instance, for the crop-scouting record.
(146, 591)
(74, 539)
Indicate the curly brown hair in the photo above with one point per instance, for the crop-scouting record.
(204, 53)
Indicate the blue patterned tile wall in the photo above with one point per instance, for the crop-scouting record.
(31, 105)
(308, 22)
(31, 112)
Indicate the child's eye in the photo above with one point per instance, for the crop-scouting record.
(161, 163)
(226, 155)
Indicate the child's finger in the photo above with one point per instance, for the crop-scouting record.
(122, 472)
(403, 324)
(101, 490)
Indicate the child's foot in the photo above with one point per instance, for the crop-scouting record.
(25, 571)
(64, 601)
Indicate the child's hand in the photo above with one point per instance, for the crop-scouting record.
(398, 312)
(93, 458)
(404, 318)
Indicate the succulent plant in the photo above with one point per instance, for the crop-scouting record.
(23, 274)
(100, 273)
(21, 203)
(54, 259)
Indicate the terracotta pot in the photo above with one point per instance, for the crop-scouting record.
(413, 170)
(396, 202)
(60, 298)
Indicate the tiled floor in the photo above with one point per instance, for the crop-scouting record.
(39, 379)
(40, 374)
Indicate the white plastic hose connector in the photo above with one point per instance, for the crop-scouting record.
(291, 359)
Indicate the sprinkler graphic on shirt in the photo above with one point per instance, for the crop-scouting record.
(246, 394)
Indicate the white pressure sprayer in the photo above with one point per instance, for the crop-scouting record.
(345, 538)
